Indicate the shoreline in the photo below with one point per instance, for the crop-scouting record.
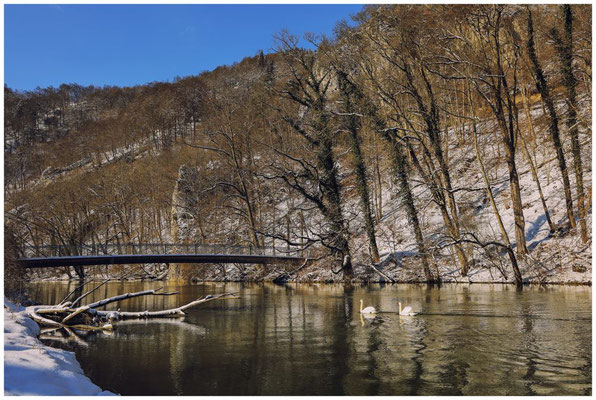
(318, 282)
(33, 369)
(576, 269)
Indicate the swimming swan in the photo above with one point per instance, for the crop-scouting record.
(406, 311)
(367, 310)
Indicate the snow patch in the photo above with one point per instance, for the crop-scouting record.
(33, 369)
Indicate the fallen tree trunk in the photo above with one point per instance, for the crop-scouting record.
(89, 318)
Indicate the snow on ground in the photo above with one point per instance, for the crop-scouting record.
(553, 259)
(33, 369)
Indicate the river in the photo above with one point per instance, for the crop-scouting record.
(305, 339)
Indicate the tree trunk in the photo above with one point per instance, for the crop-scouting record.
(516, 202)
(503, 94)
(80, 272)
(353, 126)
(430, 115)
(379, 185)
(330, 187)
(565, 50)
(440, 201)
(399, 165)
(533, 169)
(310, 93)
(489, 193)
(542, 87)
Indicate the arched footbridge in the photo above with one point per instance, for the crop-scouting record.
(143, 253)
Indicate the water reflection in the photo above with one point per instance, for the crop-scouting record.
(312, 340)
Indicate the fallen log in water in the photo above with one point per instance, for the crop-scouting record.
(89, 318)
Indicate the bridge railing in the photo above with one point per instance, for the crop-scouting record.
(159, 248)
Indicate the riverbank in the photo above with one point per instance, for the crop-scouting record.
(34, 369)
(556, 262)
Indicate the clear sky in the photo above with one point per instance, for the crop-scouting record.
(124, 45)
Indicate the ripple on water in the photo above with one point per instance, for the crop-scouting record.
(473, 340)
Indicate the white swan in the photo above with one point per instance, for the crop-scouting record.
(406, 311)
(367, 310)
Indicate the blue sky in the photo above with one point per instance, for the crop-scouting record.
(124, 45)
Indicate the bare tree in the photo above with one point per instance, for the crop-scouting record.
(543, 89)
(486, 49)
(309, 117)
(565, 49)
(531, 162)
(489, 193)
(352, 125)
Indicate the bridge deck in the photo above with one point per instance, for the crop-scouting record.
(107, 259)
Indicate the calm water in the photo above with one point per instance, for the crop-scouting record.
(311, 340)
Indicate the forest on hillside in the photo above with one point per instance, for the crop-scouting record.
(433, 141)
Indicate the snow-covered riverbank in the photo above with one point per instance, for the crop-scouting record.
(33, 369)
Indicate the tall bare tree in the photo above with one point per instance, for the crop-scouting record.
(543, 89)
(307, 89)
(353, 125)
(565, 49)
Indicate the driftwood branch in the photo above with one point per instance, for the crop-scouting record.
(178, 311)
(88, 293)
(126, 296)
(78, 299)
(72, 292)
(88, 318)
(109, 300)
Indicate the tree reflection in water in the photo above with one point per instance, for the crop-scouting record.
(312, 340)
